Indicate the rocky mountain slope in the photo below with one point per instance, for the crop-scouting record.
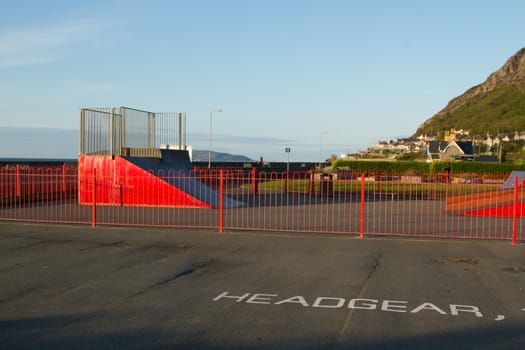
(498, 104)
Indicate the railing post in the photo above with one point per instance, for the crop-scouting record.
(255, 182)
(221, 201)
(64, 188)
(94, 205)
(311, 186)
(18, 182)
(362, 221)
(447, 185)
(515, 213)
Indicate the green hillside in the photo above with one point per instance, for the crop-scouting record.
(496, 105)
(502, 109)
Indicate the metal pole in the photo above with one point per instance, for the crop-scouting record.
(184, 133)
(287, 150)
(221, 201)
(122, 135)
(209, 149)
(81, 133)
(515, 212)
(321, 148)
(180, 130)
(148, 128)
(18, 185)
(94, 204)
(362, 218)
(111, 132)
(153, 129)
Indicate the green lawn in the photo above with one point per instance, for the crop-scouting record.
(401, 189)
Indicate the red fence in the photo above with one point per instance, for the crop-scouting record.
(40, 193)
(432, 205)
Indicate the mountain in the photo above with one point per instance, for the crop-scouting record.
(498, 104)
(202, 156)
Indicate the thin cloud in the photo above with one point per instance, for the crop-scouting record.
(41, 45)
(236, 139)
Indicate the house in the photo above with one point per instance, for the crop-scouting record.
(453, 150)
(491, 141)
(459, 150)
(519, 135)
(435, 149)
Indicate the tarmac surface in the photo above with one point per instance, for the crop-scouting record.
(77, 287)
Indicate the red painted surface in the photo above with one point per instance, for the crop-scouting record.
(505, 211)
(119, 182)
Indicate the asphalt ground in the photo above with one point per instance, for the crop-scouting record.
(77, 287)
(290, 213)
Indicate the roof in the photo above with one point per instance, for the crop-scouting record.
(437, 146)
(465, 146)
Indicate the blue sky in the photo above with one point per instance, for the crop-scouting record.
(319, 76)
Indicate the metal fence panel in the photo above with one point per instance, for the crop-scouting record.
(111, 131)
(367, 205)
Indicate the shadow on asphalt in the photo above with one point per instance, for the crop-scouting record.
(69, 332)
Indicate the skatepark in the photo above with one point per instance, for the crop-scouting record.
(134, 169)
(134, 247)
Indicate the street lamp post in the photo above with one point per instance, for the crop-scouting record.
(287, 150)
(217, 110)
(321, 147)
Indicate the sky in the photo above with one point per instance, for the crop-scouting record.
(321, 77)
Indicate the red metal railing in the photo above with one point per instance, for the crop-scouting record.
(37, 193)
(430, 205)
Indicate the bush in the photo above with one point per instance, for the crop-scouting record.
(402, 167)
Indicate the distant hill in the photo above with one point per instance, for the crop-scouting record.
(202, 156)
(498, 104)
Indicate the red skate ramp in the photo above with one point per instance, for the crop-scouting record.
(146, 181)
(504, 211)
(501, 203)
